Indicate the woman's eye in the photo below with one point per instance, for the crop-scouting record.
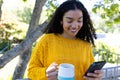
(69, 21)
(80, 21)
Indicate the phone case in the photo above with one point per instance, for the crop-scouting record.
(95, 66)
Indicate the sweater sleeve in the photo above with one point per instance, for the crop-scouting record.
(90, 58)
(91, 55)
(36, 68)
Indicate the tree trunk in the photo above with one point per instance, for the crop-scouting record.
(1, 2)
(24, 58)
(21, 67)
(23, 46)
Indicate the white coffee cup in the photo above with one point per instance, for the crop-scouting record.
(66, 71)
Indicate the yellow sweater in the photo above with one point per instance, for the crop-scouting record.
(55, 48)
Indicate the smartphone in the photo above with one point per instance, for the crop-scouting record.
(95, 66)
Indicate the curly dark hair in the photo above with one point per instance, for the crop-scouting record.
(87, 32)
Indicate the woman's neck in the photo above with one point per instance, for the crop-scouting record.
(69, 37)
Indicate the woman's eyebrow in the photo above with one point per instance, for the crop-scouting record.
(69, 17)
(72, 18)
(80, 17)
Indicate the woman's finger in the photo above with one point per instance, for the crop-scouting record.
(51, 69)
(54, 64)
(99, 73)
(90, 78)
(52, 74)
(52, 78)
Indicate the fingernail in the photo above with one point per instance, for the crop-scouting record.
(84, 77)
(88, 74)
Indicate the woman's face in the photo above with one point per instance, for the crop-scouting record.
(72, 23)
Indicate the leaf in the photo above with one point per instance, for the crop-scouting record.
(109, 23)
(103, 16)
(110, 13)
(117, 20)
(25, 0)
(114, 6)
(94, 10)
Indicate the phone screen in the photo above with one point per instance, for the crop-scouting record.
(95, 66)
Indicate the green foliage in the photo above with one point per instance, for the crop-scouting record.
(25, 14)
(1, 1)
(117, 20)
(105, 53)
(51, 7)
(109, 10)
(3, 45)
(7, 38)
(24, 0)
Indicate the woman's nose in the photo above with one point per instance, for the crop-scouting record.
(75, 24)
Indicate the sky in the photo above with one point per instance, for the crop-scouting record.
(14, 3)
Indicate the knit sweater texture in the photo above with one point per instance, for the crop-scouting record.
(55, 48)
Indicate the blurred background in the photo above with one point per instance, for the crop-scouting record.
(16, 19)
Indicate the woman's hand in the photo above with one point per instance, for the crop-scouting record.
(52, 72)
(97, 75)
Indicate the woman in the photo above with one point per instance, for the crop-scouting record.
(67, 39)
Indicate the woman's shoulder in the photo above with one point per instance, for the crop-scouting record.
(86, 43)
(46, 36)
